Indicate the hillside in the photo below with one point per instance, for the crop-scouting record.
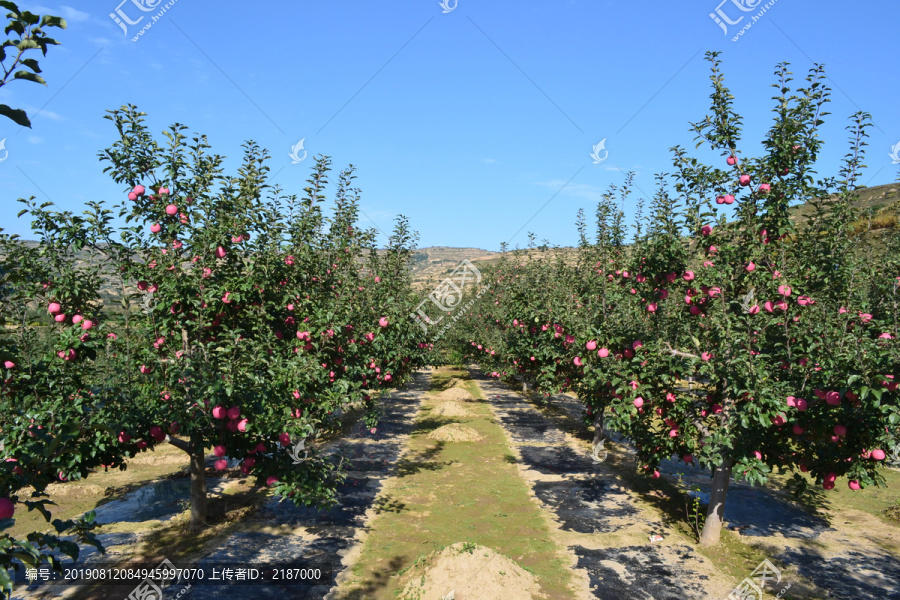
(431, 265)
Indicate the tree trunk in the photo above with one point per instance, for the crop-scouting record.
(598, 426)
(716, 512)
(198, 485)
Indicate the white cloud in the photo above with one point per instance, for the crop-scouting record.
(33, 139)
(34, 111)
(488, 161)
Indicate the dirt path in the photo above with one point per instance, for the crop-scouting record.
(281, 532)
(458, 488)
(603, 525)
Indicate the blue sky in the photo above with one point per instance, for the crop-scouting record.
(477, 124)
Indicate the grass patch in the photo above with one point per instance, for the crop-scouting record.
(455, 492)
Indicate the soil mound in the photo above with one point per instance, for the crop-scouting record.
(454, 432)
(467, 572)
(450, 409)
(455, 393)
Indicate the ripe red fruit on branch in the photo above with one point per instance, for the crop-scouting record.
(54, 308)
(731, 160)
(219, 451)
(219, 412)
(7, 508)
(139, 190)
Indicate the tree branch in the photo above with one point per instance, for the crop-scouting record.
(675, 352)
(180, 444)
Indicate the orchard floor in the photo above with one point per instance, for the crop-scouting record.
(527, 489)
(838, 546)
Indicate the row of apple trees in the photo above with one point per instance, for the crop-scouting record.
(207, 309)
(786, 328)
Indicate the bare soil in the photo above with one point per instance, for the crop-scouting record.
(467, 572)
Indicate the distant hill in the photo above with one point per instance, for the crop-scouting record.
(431, 265)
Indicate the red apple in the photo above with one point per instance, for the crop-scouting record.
(7, 508)
(219, 451)
(171, 210)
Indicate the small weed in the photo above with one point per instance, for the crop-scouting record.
(692, 508)
(892, 512)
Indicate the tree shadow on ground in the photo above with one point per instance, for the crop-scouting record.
(376, 582)
(414, 462)
(388, 504)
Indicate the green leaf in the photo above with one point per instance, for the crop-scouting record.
(16, 114)
(30, 77)
(26, 44)
(69, 549)
(49, 21)
(31, 64)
